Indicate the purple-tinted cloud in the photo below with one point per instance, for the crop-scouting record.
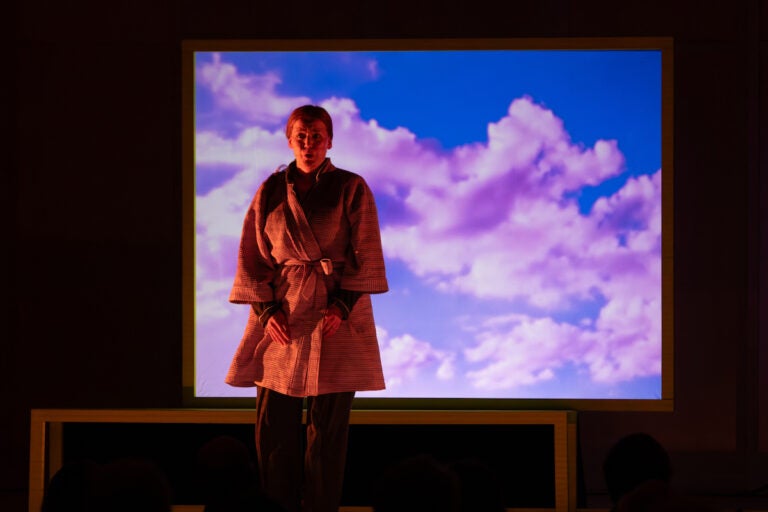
(486, 221)
(519, 351)
(406, 359)
(252, 97)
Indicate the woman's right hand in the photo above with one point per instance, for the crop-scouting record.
(277, 328)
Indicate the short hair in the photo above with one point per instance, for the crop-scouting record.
(309, 113)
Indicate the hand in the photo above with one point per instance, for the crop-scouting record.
(277, 328)
(331, 320)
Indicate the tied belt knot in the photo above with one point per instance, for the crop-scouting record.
(324, 265)
(307, 283)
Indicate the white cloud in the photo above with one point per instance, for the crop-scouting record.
(490, 221)
(405, 358)
(252, 96)
(520, 351)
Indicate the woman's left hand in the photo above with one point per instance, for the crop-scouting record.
(331, 321)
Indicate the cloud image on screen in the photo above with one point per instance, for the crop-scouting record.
(519, 199)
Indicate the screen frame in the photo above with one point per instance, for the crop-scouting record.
(664, 44)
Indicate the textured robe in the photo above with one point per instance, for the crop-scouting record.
(281, 246)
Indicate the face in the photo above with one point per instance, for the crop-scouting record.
(309, 142)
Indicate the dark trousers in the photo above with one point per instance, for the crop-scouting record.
(291, 471)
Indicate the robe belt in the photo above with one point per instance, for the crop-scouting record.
(324, 265)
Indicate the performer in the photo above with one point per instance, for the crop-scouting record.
(310, 255)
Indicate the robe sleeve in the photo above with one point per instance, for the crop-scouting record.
(364, 267)
(265, 310)
(255, 266)
(345, 300)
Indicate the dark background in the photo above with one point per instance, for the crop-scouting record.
(92, 257)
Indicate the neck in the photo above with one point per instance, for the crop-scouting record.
(310, 172)
(305, 176)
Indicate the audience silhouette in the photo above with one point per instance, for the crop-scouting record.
(228, 480)
(480, 489)
(225, 477)
(637, 472)
(130, 484)
(123, 485)
(634, 459)
(71, 488)
(417, 484)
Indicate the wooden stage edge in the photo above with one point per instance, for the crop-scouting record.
(47, 443)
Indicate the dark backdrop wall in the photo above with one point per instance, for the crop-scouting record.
(92, 263)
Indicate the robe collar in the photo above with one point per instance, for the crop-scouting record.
(324, 167)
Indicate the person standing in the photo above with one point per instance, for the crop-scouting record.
(310, 256)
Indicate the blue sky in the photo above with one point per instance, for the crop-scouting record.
(450, 96)
(430, 130)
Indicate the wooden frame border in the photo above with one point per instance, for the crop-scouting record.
(47, 442)
(664, 403)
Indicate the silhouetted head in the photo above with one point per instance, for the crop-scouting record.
(131, 484)
(417, 484)
(224, 469)
(633, 460)
(480, 487)
(71, 488)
